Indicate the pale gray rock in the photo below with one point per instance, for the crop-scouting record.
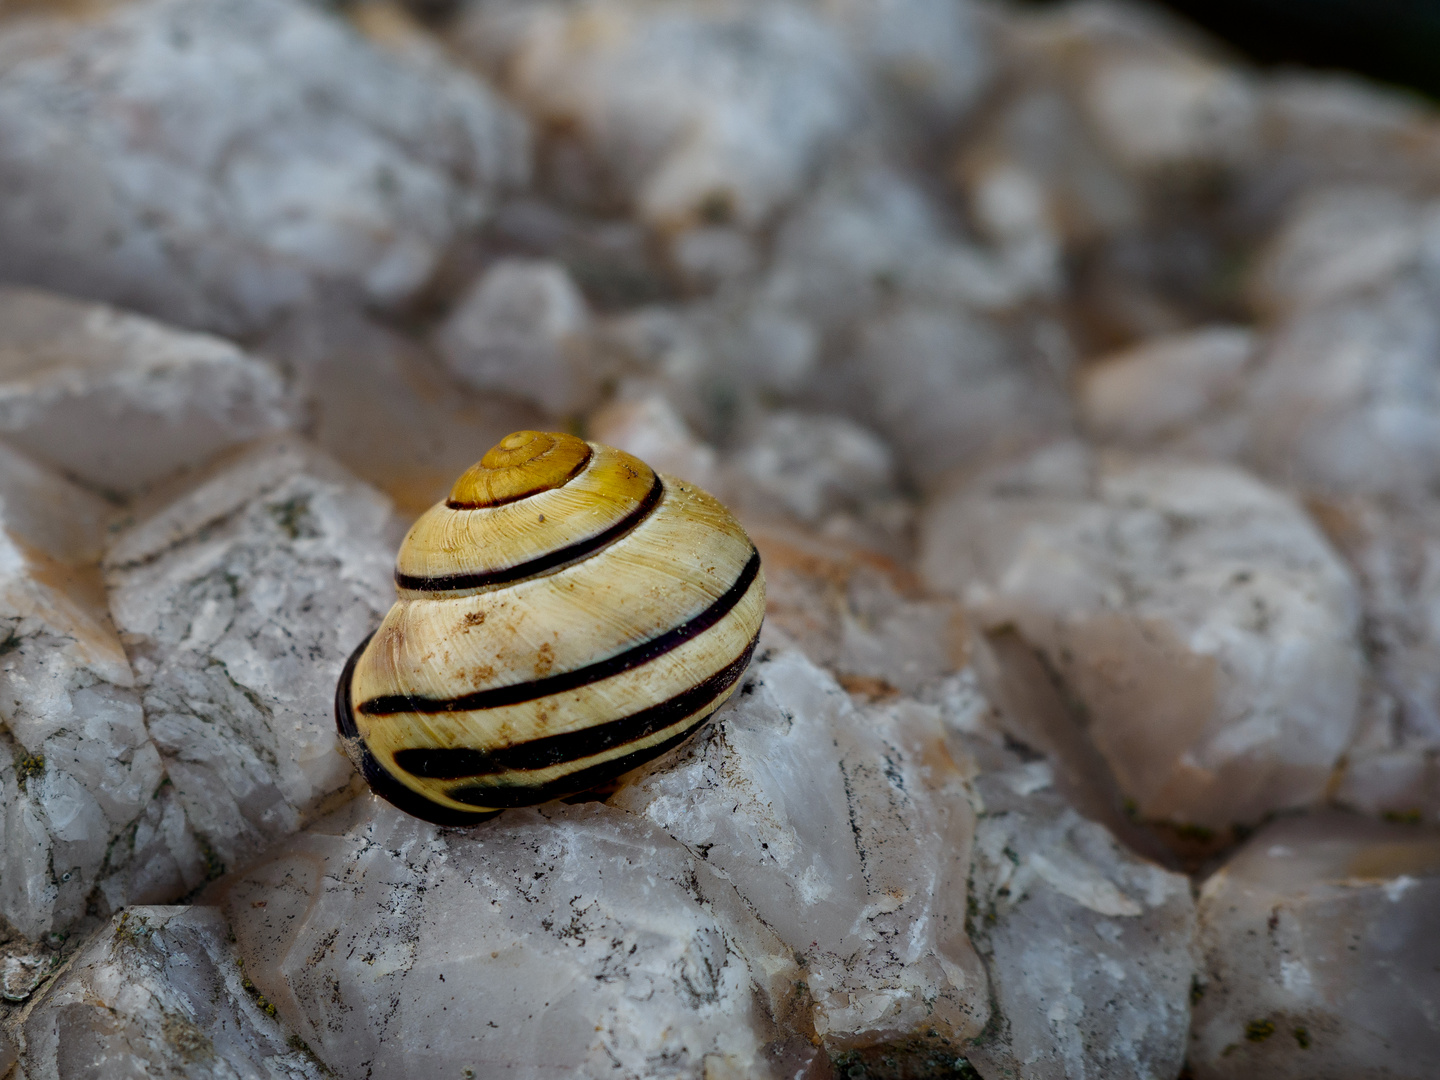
(1343, 242)
(238, 603)
(1320, 955)
(212, 162)
(702, 112)
(565, 941)
(521, 330)
(1203, 630)
(847, 831)
(952, 391)
(1346, 399)
(856, 612)
(118, 401)
(1089, 948)
(1156, 112)
(1181, 391)
(933, 54)
(1393, 765)
(160, 992)
(81, 816)
(815, 465)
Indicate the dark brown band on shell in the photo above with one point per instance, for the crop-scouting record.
(514, 694)
(545, 563)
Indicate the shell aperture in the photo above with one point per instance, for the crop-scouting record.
(566, 615)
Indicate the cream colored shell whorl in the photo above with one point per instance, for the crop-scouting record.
(564, 616)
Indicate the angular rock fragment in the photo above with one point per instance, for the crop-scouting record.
(238, 603)
(1321, 957)
(1088, 948)
(1201, 629)
(160, 992)
(848, 834)
(858, 613)
(813, 465)
(1393, 766)
(1346, 397)
(521, 330)
(558, 942)
(951, 391)
(212, 163)
(700, 112)
(1182, 391)
(120, 402)
(85, 818)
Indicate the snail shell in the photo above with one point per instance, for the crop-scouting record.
(564, 616)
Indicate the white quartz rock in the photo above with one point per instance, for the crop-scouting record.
(848, 833)
(1341, 242)
(119, 401)
(79, 808)
(212, 162)
(1321, 954)
(522, 330)
(1200, 625)
(1346, 399)
(1156, 112)
(1089, 948)
(569, 941)
(951, 390)
(857, 613)
(1393, 765)
(159, 992)
(1161, 390)
(812, 465)
(238, 603)
(702, 111)
(932, 52)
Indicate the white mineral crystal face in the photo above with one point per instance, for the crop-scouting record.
(159, 992)
(1393, 766)
(1178, 390)
(211, 162)
(702, 112)
(521, 330)
(1321, 957)
(857, 613)
(1204, 631)
(238, 603)
(815, 465)
(848, 833)
(82, 819)
(1088, 947)
(120, 402)
(572, 941)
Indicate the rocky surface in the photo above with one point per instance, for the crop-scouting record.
(238, 603)
(1076, 382)
(1319, 954)
(161, 991)
(1089, 948)
(1112, 571)
(215, 163)
(120, 402)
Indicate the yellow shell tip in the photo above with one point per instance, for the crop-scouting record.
(522, 464)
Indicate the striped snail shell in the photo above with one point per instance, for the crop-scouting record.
(564, 616)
